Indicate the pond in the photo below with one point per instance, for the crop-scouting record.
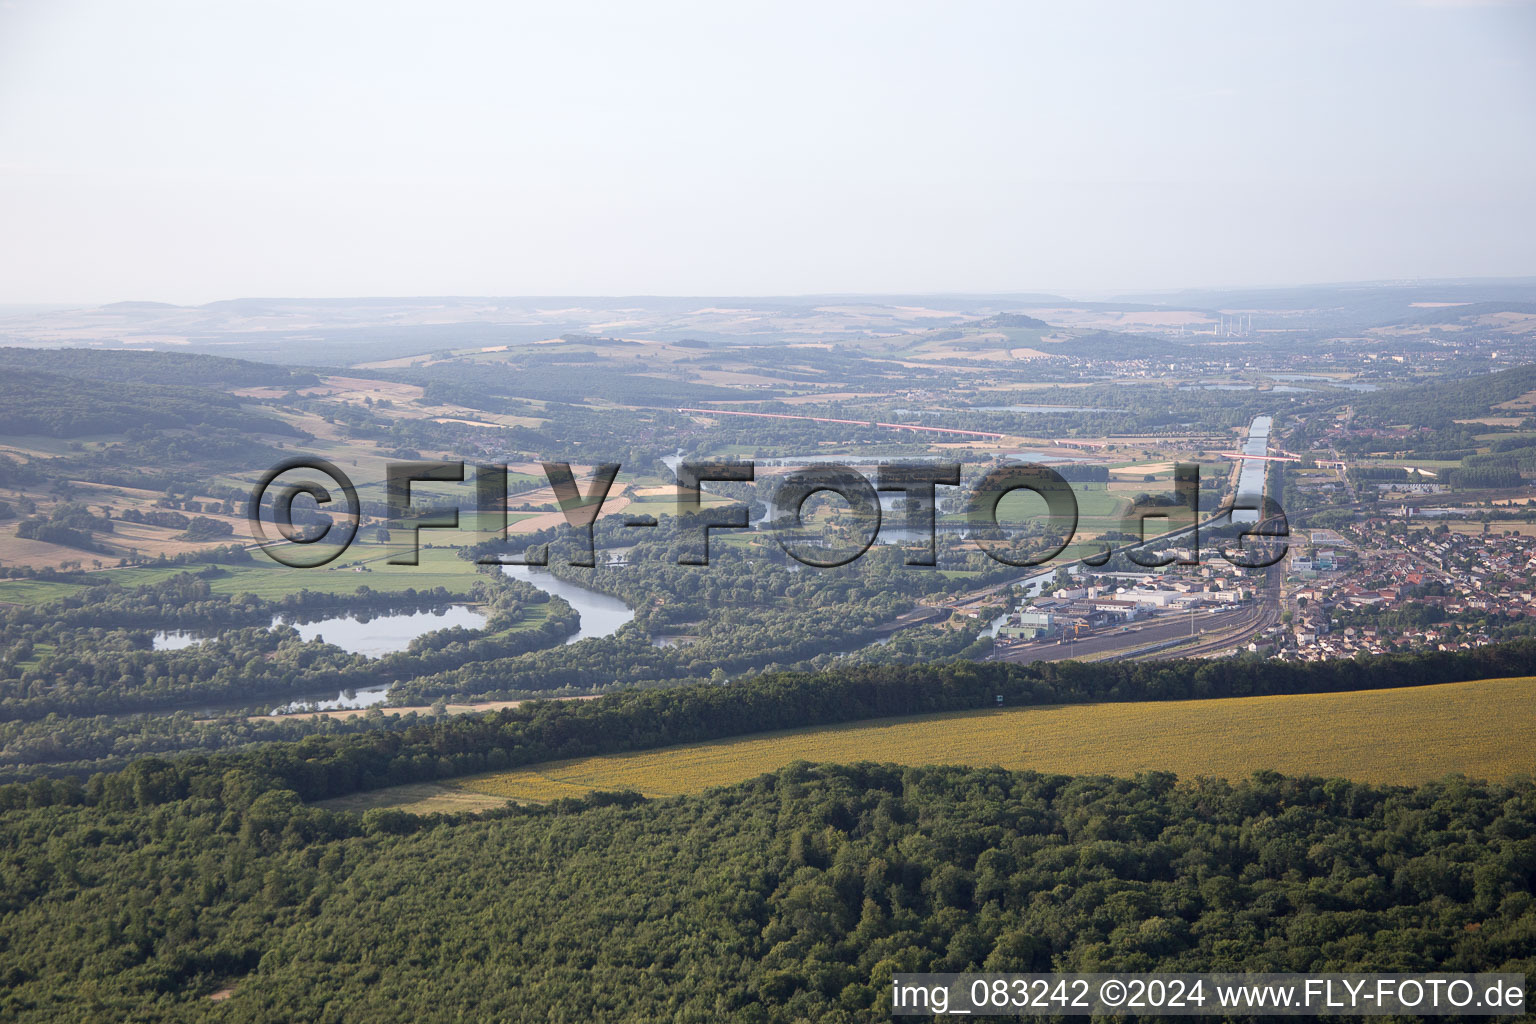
(384, 634)
(673, 640)
(356, 632)
(1333, 382)
(175, 639)
(1044, 409)
(346, 700)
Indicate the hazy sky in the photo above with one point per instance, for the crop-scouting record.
(193, 151)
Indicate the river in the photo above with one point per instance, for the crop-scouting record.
(601, 614)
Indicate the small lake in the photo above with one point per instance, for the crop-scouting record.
(792, 462)
(1288, 388)
(346, 700)
(1043, 409)
(175, 639)
(357, 633)
(601, 614)
(1282, 389)
(673, 640)
(385, 634)
(1042, 457)
(875, 460)
(1317, 378)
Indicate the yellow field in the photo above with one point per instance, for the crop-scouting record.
(1496, 527)
(1484, 729)
(416, 798)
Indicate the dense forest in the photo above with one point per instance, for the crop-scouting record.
(152, 367)
(791, 897)
(1437, 404)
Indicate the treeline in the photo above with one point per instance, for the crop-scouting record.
(561, 373)
(69, 525)
(1506, 464)
(320, 767)
(1482, 477)
(1382, 474)
(634, 438)
(56, 405)
(150, 367)
(224, 554)
(1439, 403)
(84, 745)
(187, 601)
(1079, 473)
